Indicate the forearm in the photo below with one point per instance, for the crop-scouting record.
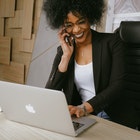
(56, 80)
(63, 65)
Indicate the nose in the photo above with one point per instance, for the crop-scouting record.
(76, 28)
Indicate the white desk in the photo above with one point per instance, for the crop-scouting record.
(102, 130)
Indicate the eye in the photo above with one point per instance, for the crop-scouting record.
(83, 21)
(68, 25)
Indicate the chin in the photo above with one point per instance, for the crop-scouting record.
(80, 40)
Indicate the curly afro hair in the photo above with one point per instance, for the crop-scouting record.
(56, 10)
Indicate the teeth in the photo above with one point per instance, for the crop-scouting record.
(79, 35)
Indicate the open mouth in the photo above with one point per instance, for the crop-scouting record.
(79, 35)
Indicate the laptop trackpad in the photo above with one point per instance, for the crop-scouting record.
(82, 122)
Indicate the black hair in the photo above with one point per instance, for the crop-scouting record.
(56, 10)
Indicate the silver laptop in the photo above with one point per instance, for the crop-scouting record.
(40, 107)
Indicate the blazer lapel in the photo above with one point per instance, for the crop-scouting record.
(96, 51)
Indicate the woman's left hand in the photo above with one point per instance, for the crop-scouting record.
(75, 110)
(81, 110)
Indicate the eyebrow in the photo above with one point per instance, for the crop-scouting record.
(76, 21)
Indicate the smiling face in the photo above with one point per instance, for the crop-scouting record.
(78, 27)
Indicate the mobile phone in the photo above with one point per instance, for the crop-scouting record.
(67, 39)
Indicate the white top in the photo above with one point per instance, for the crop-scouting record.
(84, 81)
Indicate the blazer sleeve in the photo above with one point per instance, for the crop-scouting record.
(56, 78)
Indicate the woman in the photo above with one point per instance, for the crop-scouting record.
(89, 65)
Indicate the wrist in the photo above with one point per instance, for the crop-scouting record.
(62, 67)
(83, 107)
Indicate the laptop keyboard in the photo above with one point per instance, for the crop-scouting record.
(77, 125)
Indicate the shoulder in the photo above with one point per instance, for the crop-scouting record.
(104, 35)
(106, 38)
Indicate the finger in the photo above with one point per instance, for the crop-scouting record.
(72, 110)
(70, 106)
(79, 112)
(62, 32)
(62, 40)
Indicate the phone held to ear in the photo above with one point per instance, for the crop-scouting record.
(67, 39)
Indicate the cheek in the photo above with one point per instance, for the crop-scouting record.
(87, 28)
(87, 31)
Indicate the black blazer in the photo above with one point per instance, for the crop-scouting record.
(109, 73)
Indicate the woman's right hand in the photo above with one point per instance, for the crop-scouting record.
(67, 49)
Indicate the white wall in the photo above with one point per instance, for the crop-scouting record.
(43, 54)
(121, 10)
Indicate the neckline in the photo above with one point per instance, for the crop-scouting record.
(81, 65)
